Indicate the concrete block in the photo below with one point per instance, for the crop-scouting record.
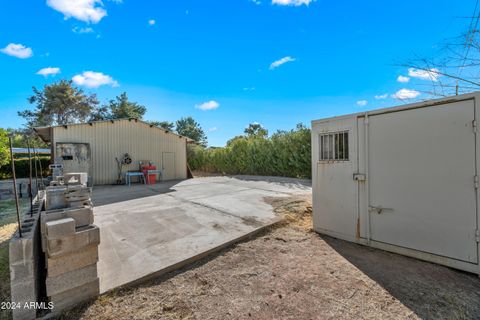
(24, 267)
(21, 292)
(72, 261)
(73, 178)
(21, 249)
(24, 314)
(55, 197)
(75, 296)
(21, 271)
(83, 237)
(78, 190)
(82, 216)
(60, 228)
(82, 203)
(70, 280)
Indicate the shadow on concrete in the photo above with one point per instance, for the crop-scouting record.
(283, 181)
(107, 194)
(431, 291)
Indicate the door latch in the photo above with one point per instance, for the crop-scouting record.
(379, 209)
(359, 177)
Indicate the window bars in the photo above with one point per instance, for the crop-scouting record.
(334, 146)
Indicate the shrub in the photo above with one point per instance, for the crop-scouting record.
(22, 168)
(285, 153)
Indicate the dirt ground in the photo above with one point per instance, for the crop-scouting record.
(290, 272)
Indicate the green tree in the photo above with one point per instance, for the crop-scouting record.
(188, 127)
(99, 114)
(167, 125)
(58, 104)
(256, 130)
(121, 108)
(229, 142)
(21, 138)
(4, 148)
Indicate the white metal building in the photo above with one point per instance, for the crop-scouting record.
(93, 147)
(402, 179)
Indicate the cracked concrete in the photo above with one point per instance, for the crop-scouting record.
(150, 230)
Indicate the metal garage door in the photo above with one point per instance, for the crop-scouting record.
(422, 179)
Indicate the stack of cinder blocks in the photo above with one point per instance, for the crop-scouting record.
(24, 265)
(70, 242)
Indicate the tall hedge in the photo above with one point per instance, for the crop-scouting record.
(285, 153)
(22, 168)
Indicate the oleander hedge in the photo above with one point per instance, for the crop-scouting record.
(285, 153)
(22, 168)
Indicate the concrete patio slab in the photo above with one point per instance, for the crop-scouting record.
(149, 230)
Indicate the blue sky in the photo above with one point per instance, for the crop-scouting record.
(276, 62)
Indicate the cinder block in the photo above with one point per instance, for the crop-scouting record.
(70, 280)
(75, 178)
(24, 314)
(83, 237)
(60, 228)
(55, 197)
(72, 297)
(78, 190)
(82, 216)
(21, 271)
(77, 204)
(73, 261)
(23, 265)
(21, 292)
(20, 249)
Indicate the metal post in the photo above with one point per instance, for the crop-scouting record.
(36, 171)
(41, 169)
(30, 193)
(15, 186)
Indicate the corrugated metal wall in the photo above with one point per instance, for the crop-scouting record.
(109, 140)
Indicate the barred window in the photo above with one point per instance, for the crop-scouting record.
(334, 146)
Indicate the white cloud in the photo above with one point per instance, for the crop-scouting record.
(212, 129)
(48, 71)
(17, 50)
(151, 22)
(295, 3)
(381, 96)
(430, 74)
(90, 11)
(362, 103)
(92, 79)
(279, 62)
(257, 2)
(405, 94)
(249, 89)
(209, 105)
(403, 79)
(82, 30)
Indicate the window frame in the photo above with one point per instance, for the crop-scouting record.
(329, 144)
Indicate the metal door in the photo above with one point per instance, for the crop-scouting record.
(168, 165)
(422, 177)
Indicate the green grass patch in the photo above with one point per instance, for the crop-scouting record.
(8, 211)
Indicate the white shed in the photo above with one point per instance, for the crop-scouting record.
(94, 147)
(402, 179)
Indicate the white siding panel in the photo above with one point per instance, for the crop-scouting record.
(109, 140)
